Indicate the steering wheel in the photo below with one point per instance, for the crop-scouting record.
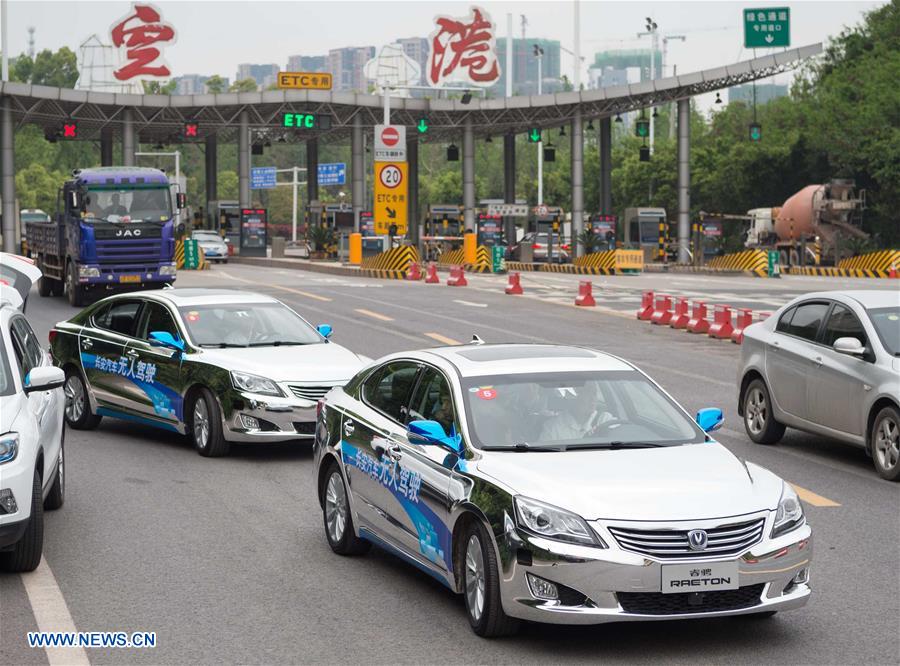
(606, 425)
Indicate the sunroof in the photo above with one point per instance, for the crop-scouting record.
(513, 352)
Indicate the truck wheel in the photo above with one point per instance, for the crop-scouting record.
(74, 291)
(26, 554)
(45, 284)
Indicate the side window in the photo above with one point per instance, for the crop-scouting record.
(387, 390)
(785, 322)
(158, 318)
(806, 320)
(119, 317)
(842, 323)
(25, 342)
(433, 401)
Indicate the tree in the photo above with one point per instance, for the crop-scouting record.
(158, 88)
(243, 85)
(58, 69)
(227, 185)
(36, 187)
(215, 84)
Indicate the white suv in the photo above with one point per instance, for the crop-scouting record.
(32, 402)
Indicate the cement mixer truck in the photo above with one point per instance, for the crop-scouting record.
(813, 226)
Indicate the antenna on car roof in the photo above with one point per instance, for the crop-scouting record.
(476, 340)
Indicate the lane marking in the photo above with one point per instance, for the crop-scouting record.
(810, 497)
(470, 303)
(316, 297)
(51, 613)
(374, 315)
(443, 339)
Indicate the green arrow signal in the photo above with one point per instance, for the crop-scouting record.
(422, 126)
(535, 135)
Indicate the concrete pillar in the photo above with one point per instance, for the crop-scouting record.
(8, 177)
(211, 164)
(312, 170)
(128, 142)
(468, 178)
(244, 193)
(412, 159)
(605, 144)
(577, 155)
(106, 147)
(509, 184)
(684, 179)
(358, 171)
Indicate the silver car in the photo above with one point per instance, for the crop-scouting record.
(214, 247)
(554, 484)
(827, 363)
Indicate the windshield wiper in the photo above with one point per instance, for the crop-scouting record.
(222, 345)
(523, 446)
(276, 343)
(615, 445)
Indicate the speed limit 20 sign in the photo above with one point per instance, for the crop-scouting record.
(391, 198)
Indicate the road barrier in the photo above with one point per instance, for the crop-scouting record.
(721, 327)
(391, 264)
(872, 265)
(180, 264)
(431, 274)
(646, 310)
(752, 262)
(414, 272)
(681, 317)
(742, 320)
(662, 310)
(457, 277)
(585, 296)
(483, 263)
(698, 322)
(514, 288)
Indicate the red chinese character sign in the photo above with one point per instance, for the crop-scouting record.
(463, 51)
(142, 34)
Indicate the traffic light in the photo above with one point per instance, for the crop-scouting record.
(645, 154)
(534, 135)
(755, 132)
(642, 127)
(191, 130)
(70, 130)
(422, 125)
(549, 154)
(452, 153)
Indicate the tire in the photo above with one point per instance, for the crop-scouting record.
(759, 423)
(57, 287)
(74, 293)
(481, 585)
(78, 405)
(26, 553)
(57, 496)
(336, 518)
(206, 425)
(45, 284)
(885, 443)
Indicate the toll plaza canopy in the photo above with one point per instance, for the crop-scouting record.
(256, 117)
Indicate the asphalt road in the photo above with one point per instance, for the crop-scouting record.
(227, 561)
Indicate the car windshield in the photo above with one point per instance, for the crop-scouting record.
(207, 236)
(124, 205)
(887, 323)
(247, 325)
(6, 379)
(567, 411)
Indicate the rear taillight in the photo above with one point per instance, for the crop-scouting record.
(565, 247)
(536, 246)
(51, 336)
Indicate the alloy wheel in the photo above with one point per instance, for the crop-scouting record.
(201, 423)
(475, 577)
(755, 411)
(887, 443)
(335, 508)
(74, 392)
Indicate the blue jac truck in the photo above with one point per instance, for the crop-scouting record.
(114, 231)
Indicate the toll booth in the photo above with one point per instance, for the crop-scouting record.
(225, 217)
(490, 229)
(646, 229)
(605, 228)
(372, 243)
(711, 238)
(551, 220)
(443, 230)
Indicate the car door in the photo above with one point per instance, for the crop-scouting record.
(789, 357)
(424, 474)
(155, 372)
(838, 384)
(369, 447)
(102, 349)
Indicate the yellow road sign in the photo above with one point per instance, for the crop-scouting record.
(304, 80)
(391, 202)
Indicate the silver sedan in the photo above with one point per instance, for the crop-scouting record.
(827, 363)
(554, 484)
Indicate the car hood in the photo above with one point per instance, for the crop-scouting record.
(10, 406)
(690, 482)
(328, 362)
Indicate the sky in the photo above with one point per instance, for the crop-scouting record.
(214, 36)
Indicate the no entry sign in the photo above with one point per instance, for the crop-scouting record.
(390, 143)
(390, 136)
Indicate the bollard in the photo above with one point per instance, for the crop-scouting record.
(721, 327)
(681, 317)
(662, 310)
(470, 248)
(355, 249)
(698, 322)
(414, 273)
(514, 288)
(585, 296)
(893, 274)
(743, 319)
(431, 275)
(457, 277)
(646, 310)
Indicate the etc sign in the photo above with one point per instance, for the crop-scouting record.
(139, 37)
(463, 51)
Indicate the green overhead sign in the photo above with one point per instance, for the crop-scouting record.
(642, 127)
(767, 27)
(422, 126)
(534, 135)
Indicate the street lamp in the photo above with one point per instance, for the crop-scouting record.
(652, 32)
(539, 54)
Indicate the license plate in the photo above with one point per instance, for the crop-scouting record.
(699, 577)
(129, 278)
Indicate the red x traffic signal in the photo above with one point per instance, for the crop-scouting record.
(191, 130)
(70, 130)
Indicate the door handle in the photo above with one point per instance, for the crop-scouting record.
(394, 452)
(773, 346)
(86, 344)
(133, 353)
(348, 428)
(817, 360)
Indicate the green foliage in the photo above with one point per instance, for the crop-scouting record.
(157, 88)
(47, 69)
(36, 187)
(227, 185)
(320, 237)
(243, 85)
(215, 84)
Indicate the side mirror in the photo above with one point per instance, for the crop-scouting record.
(710, 419)
(76, 202)
(166, 339)
(44, 379)
(432, 433)
(850, 346)
(325, 330)
(181, 200)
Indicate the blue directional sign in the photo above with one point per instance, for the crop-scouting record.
(262, 178)
(333, 174)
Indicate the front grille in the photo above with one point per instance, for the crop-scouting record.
(657, 603)
(312, 393)
(305, 427)
(116, 251)
(673, 544)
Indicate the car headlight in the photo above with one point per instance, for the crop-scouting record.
(554, 523)
(9, 447)
(168, 269)
(255, 384)
(789, 515)
(88, 271)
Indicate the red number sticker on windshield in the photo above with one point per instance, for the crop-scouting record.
(485, 392)
(193, 315)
